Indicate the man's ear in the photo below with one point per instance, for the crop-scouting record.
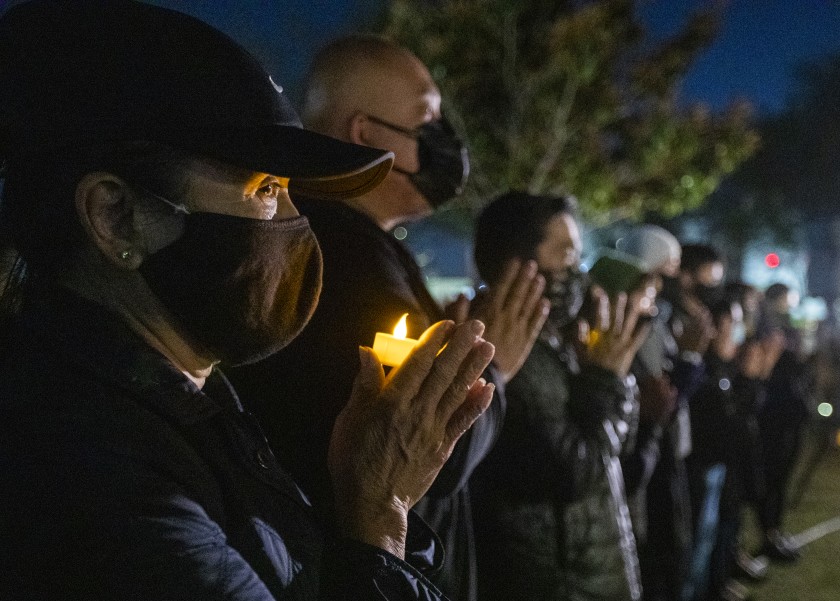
(359, 130)
(105, 210)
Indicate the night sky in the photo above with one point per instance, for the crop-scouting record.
(754, 57)
(758, 49)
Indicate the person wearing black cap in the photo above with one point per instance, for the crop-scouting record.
(370, 91)
(146, 161)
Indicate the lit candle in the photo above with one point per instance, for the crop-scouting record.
(392, 350)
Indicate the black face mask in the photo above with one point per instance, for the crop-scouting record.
(241, 288)
(670, 288)
(709, 295)
(565, 295)
(444, 160)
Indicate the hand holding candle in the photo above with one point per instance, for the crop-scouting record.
(392, 350)
(395, 433)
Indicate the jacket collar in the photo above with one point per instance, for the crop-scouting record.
(96, 341)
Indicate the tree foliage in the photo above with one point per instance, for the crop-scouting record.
(569, 96)
(800, 154)
(794, 176)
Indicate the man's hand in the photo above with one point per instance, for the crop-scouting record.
(514, 313)
(394, 435)
(697, 330)
(615, 348)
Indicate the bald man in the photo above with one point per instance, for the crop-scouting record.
(373, 92)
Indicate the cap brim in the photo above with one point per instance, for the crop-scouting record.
(315, 164)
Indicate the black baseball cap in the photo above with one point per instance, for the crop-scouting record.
(87, 72)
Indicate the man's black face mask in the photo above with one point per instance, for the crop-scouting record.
(444, 160)
(566, 295)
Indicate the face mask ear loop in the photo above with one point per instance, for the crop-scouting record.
(178, 208)
(411, 133)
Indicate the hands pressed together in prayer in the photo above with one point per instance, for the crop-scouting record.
(396, 432)
(619, 329)
(514, 312)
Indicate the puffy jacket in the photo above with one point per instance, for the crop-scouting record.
(551, 514)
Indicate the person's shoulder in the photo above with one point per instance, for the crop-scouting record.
(336, 218)
(346, 236)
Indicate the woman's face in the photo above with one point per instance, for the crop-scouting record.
(211, 187)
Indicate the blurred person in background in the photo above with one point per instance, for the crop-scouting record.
(731, 386)
(668, 375)
(752, 304)
(748, 436)
(701, 276)
(781, 419)
(370, 91)
(551, 513)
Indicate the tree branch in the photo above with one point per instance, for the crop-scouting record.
(560, 131)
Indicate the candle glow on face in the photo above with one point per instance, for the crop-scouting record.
(393, 349)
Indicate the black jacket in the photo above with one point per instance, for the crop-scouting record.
(122, 480)
(551, 513)
(370, 280)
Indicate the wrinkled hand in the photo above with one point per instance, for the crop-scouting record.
(394, 435)
(458, 310)
(514, 313)
(615, 348)
(698, 328)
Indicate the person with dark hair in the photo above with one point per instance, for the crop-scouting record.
(517, 212)
(747, 438)
(733, 381)
(781, 419)
(370, 91)
(551, 512)
(147, 161)
(701, 272)
(688, 296)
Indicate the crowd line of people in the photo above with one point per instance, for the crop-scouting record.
(189, 404)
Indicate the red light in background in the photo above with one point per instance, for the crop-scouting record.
(772, 260)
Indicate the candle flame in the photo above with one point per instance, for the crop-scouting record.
(401, 329)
